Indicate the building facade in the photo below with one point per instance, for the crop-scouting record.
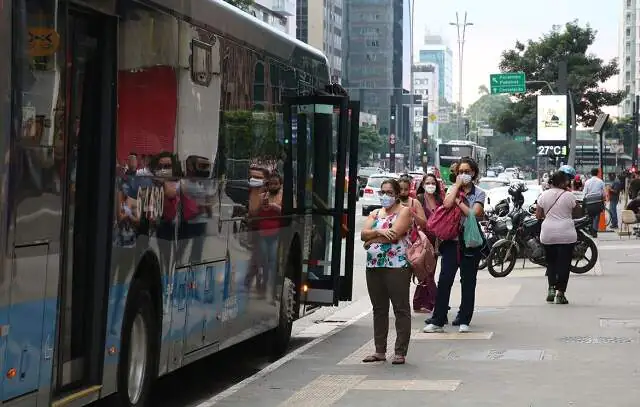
(280, 14)
(629, 76)
(373, 63)
(319, 23)
(427, 84)
(436, 52)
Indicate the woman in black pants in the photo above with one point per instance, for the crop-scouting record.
(455, 255)
(558, 234)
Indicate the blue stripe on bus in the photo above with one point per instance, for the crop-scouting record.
(215, 299)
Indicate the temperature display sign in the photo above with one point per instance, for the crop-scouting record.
(552, 150)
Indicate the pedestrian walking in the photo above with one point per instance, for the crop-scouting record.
(469, 198)
(558, 234)
(594, 199)
(429, 195)
(388, 272)
(617, 186)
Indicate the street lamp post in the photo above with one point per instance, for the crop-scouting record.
(411, 88)
(462, 31)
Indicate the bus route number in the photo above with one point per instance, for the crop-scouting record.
(555, 150)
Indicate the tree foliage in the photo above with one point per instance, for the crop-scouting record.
(539, 60)
(370, 142)
(509, 152)
(241, 4)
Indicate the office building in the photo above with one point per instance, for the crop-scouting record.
(373, 63)
(280, 14)
(319, 24)
(628, 55)
(426, 83)
(435, 51)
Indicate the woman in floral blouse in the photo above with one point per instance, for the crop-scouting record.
(388, 274)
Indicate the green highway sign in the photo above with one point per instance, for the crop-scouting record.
(512, 82)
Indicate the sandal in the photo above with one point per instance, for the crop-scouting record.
(398, 360)
(373, 358)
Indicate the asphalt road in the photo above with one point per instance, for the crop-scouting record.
(201, 380)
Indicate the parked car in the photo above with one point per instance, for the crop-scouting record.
(363, 176)
(487, 183)
(371, 195)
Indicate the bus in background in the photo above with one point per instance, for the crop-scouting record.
(451, 151)
(156, 204)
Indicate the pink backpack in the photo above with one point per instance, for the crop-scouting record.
(444, 223)
(422, 257)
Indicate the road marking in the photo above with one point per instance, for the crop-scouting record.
(290, 356)
(409, 385)
(323, 391)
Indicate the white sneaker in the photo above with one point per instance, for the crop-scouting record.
(463, 328)
(432, 329)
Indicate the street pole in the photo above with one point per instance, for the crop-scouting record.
(462, 31)
(411, 90)
(634, 138)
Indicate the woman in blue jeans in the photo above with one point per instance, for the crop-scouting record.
(455, 255)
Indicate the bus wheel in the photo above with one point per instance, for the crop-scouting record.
(280, 336)
(139, 347)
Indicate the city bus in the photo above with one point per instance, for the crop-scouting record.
(452, 151)
(167, 191)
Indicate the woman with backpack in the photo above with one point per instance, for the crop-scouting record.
(430, 197)
(463, 199)
(388, 271)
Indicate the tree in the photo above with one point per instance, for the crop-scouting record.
(241, 4)
(509, 152)
(369, 142)
(487, 109)
(622, 129)
(539, 61)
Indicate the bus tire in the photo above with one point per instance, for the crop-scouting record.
(280, 336)
(139, 348)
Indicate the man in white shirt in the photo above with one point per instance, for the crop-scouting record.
(593, 191)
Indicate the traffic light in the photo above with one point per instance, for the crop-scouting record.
(424, 149)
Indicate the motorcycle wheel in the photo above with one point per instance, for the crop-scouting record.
(506, 252)
(584, 244)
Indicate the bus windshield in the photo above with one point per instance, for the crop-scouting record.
(452, 153)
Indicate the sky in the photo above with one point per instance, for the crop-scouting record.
(499, 23)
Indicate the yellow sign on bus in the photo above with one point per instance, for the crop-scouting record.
(43, 41)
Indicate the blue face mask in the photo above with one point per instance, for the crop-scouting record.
(387, 201)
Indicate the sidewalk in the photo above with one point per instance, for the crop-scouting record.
(522, 351)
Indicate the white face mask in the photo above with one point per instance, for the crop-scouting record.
(430, 189)
(165, 172)
(256, 182)
(466, 178)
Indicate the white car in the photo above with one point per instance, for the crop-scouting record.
(495, 195)
(487, 183)
(371, 197)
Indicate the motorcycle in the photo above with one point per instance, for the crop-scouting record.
(523, 240)
(494, 228)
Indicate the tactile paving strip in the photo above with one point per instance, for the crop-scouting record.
(323, 391)
(409, 385)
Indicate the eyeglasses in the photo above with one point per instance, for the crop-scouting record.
(464, 171)
(388, 193)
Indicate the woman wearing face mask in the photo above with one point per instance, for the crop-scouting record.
(429, 195)
(467, 197)
(388, 273)
(419, 219)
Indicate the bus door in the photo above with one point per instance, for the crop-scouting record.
(318, 129)
(87, 187)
